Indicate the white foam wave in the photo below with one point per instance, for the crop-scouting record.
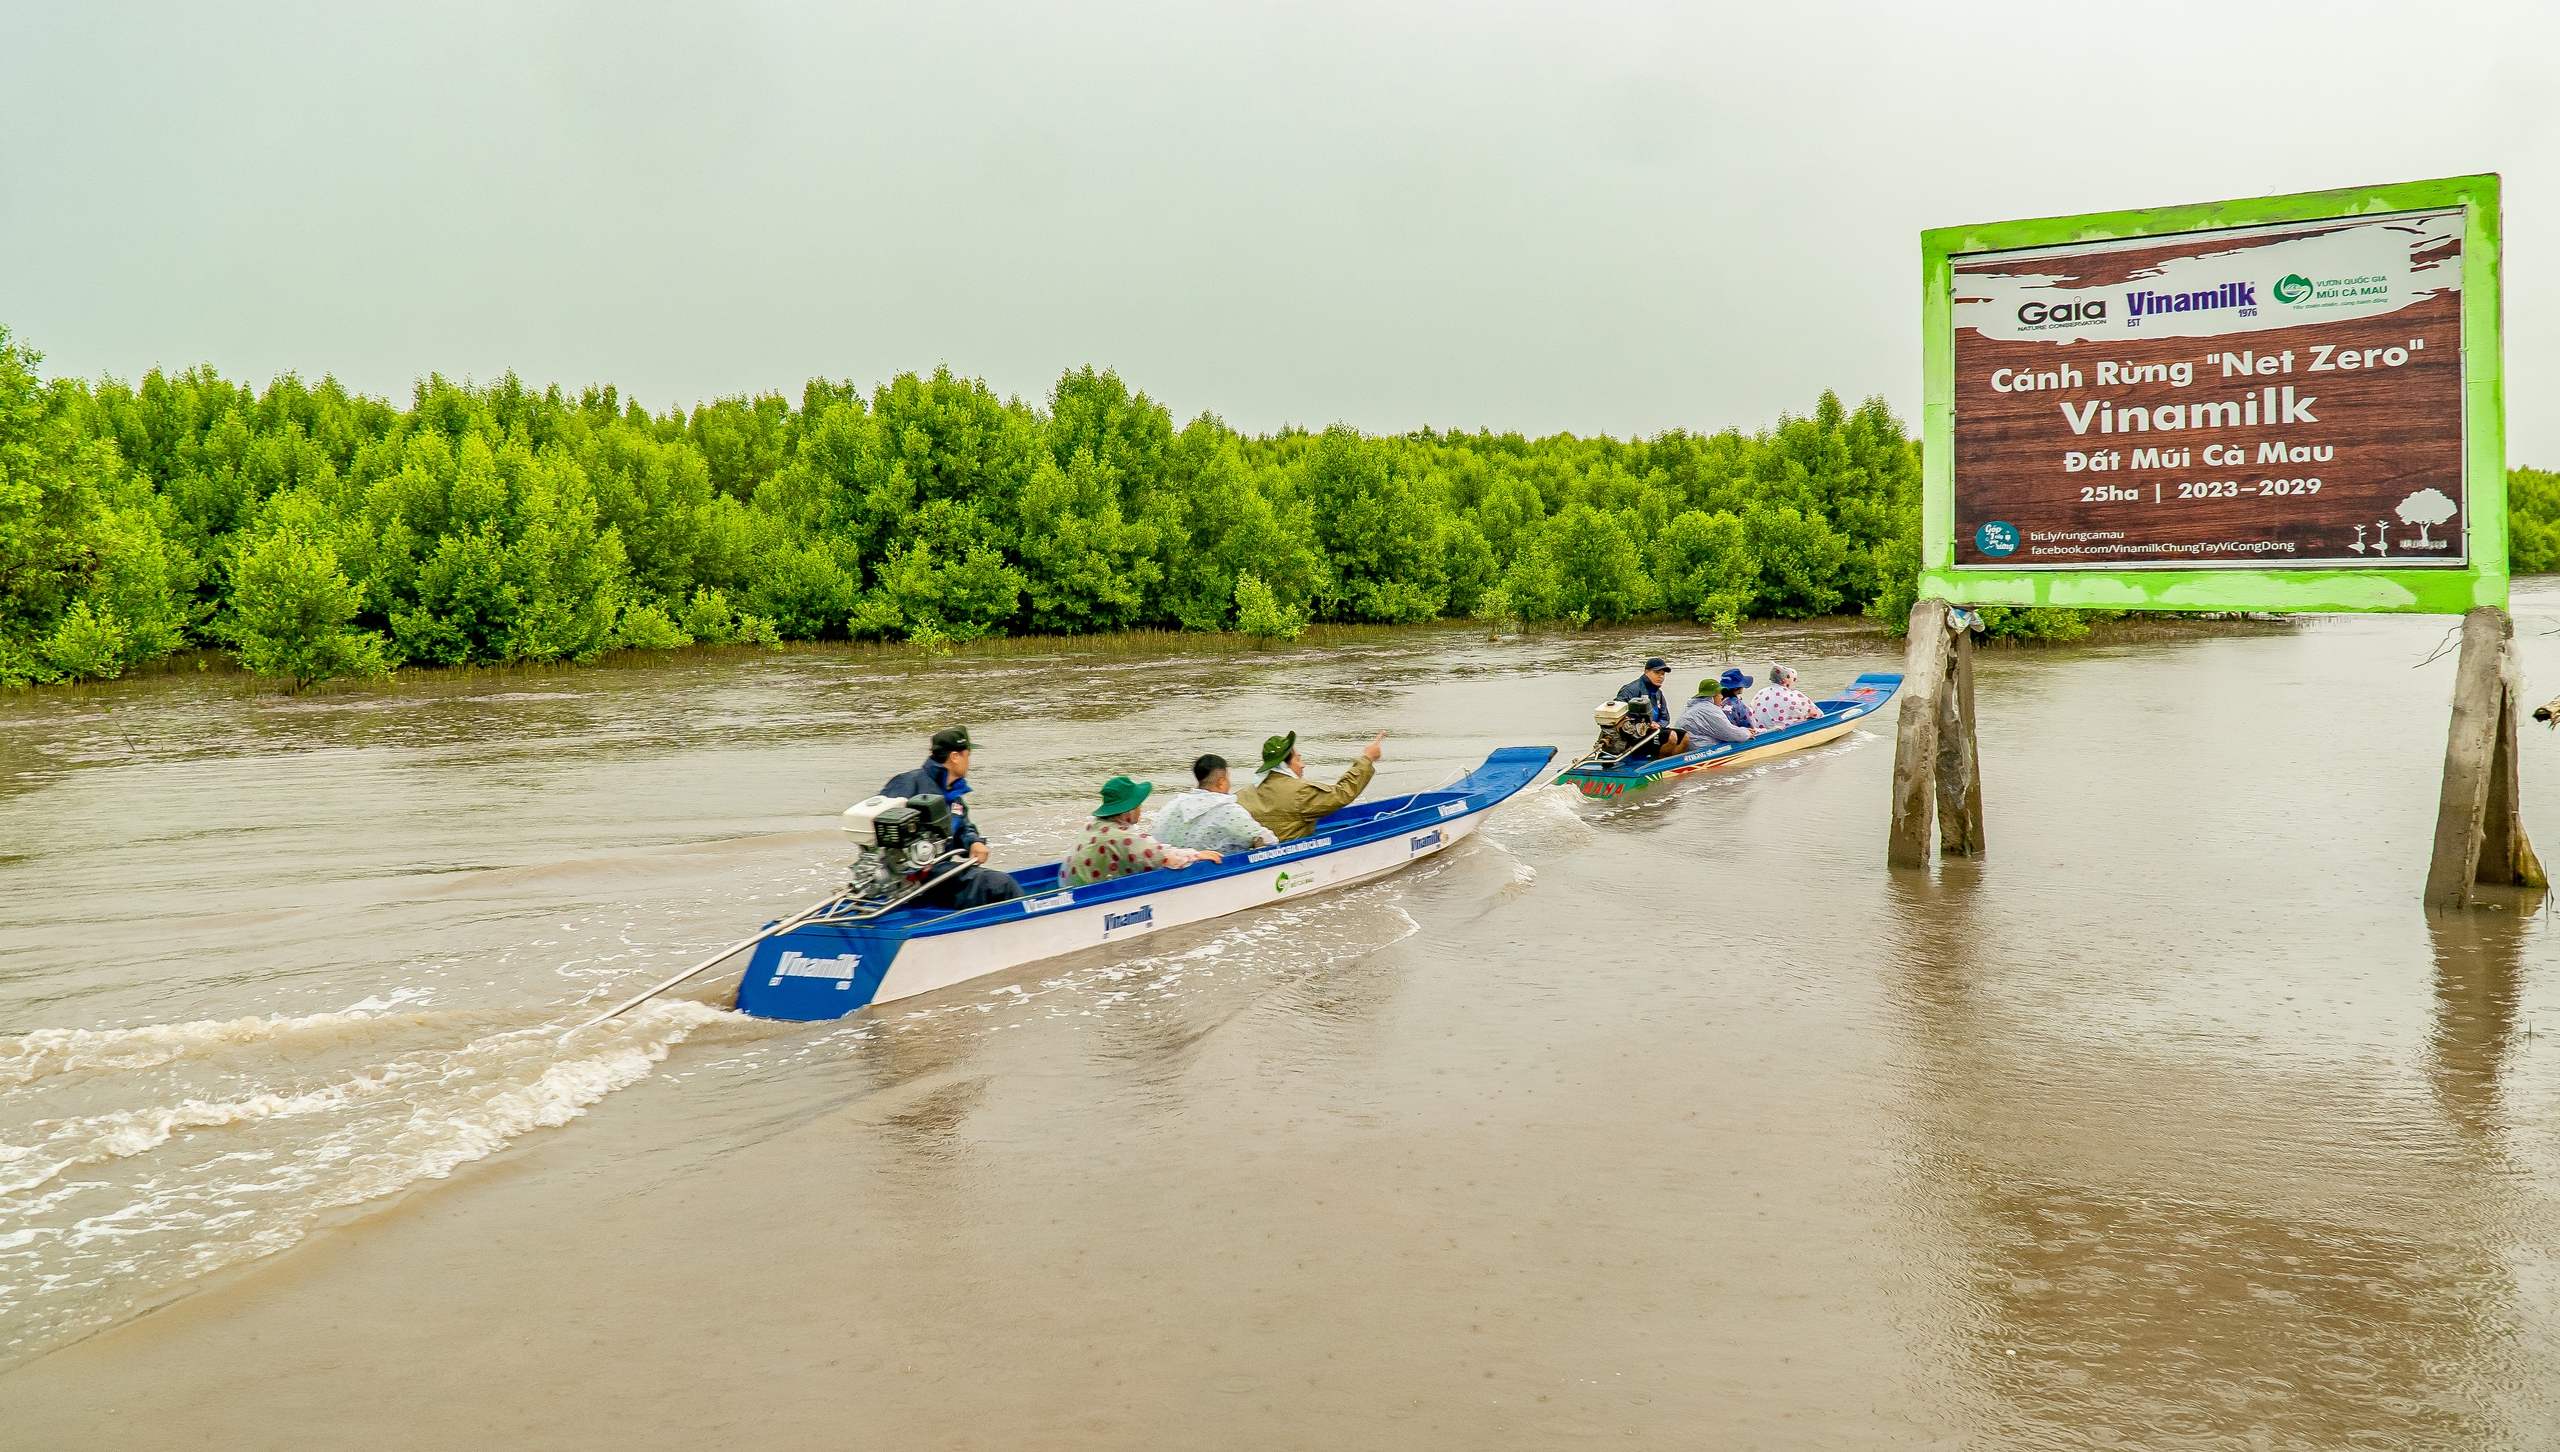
(129, 1132)
(46, 1052)
(436, 1140)
(514, 1084)
(1546, 812)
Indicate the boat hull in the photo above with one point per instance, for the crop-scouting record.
(1840, 714)
(827, 970)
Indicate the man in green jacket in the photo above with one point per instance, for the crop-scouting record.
(1290, 805)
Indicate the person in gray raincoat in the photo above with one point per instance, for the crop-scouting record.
(1208, 818)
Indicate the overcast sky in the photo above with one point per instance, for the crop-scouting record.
(1604, 220)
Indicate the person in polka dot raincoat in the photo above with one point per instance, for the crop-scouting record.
(1112, 846)
(1779, 705)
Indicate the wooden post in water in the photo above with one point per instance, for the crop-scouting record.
(1915, 736)
(1936, 764)
(1959, 757)
(2479, 812)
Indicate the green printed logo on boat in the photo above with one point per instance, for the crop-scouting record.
(2293, 287)
(1280, 883)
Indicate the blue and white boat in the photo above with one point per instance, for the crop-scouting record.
(1601, 776)
(847, 956)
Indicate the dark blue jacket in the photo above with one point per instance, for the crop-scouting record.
(1641, 689)
(931, 780)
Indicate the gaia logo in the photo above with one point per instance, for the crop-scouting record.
(1997, 538)
(2293, 287)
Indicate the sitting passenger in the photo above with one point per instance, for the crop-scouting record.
(1704, 718)
(1207, 817)
(1730, 687)
(1778, 705)
(1112, 846)
(1284, 801)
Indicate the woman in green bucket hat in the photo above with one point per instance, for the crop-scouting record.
(1112, 846)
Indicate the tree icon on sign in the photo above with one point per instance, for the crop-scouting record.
(2426, 507)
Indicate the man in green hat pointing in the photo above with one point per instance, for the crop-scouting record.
(1289, 804)
(1112, 846)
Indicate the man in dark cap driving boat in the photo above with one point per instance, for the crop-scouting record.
(1646, 689)
(944, 775)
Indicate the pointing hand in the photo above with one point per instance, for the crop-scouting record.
(1373, 750)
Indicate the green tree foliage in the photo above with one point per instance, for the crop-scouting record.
(1260, 614)
(1583, 567)
(1376, 530)
(646, 627)
(1801, 559)
(90, 581)
(1088, 568)
(1706, 565)
(290, 608)
(2533, 521)
(317, 532)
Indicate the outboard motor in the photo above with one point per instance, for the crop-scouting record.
(896, 841)
(1607, 717)
(1624, 726)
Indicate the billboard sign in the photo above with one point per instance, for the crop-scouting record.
(2284, 404)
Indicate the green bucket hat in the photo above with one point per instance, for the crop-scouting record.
(1277, 750)
(1123, 795)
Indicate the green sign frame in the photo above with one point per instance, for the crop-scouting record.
(2441, 590)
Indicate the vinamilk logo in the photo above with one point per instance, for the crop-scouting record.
(2293, 287)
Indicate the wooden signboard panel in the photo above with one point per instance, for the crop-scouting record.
(2290, 403)
(2268, 418)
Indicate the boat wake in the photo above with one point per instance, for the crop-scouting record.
(1544, 814)
(132, 1160)
(47, 1052)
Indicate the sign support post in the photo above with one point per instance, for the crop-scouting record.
(1936, 761)
(2480, 833)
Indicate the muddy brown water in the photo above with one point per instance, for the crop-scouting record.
(2174, 1123)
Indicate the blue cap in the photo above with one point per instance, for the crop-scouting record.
(1733, 680)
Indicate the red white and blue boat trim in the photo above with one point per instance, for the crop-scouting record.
(823, 970)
